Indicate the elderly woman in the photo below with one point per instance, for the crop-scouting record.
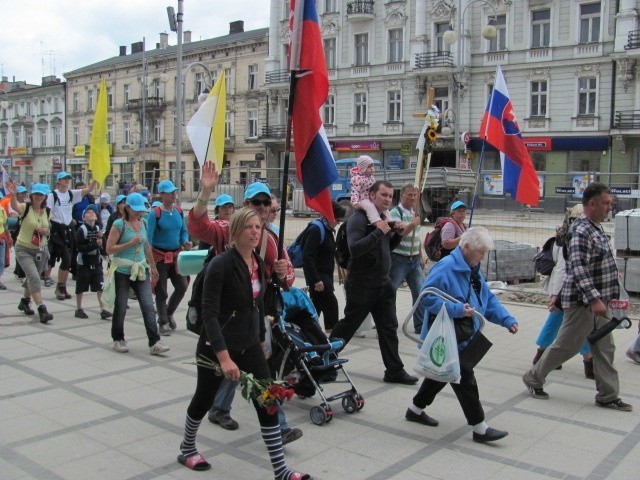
(459, 275)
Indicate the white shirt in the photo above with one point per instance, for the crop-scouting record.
(61, 212)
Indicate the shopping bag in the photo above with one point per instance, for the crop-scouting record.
(109, 288)
(438, 356)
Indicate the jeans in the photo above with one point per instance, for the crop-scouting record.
(381, 303)
(142, 289)
(167, 271)
(409, 269)
(224, 397)
(2, 251)
(549, 332)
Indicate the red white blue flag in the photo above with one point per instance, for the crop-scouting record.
(315, 166)
(500, 129)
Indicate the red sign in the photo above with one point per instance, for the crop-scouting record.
(540, 144)
(355, 146)
(21, 162)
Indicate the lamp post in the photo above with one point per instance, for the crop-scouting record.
(450, 37)
(175, 24)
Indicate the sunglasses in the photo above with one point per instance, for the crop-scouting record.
(256, 203)
(275, 210)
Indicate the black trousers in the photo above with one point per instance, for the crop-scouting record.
(252, 360)
(466, 391)
(325, 303)
(381, 303)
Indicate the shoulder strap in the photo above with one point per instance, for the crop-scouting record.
(55, 198)
(320, 225)
(158, 212)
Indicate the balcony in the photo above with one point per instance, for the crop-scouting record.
(360, 10)
(434, 60)
(274, 132)
(360, 71)
(627, 119)
(151, 104)
(277, 77)
(230, 143)
(633, 40)
(59, 150)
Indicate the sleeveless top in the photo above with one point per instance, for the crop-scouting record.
(134, 253)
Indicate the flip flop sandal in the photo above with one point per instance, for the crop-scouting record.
(195, 462)
(299, 476)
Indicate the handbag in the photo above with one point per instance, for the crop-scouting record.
(438, 357)
(475, 350)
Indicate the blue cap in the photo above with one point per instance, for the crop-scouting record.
(63, 176)
(457, 204)
(256, 188)
(40, 188)
(93, 207)
(157, 203)
(166, 186)
(136, 202)
(120, 198)
(21, 189)
(223, 200)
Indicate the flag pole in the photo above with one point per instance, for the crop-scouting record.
(475, 188)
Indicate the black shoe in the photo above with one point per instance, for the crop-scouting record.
(400, 377)
(105, 315)
(80, 313)
(290, 435)
(25, 306)
(224, 420)
(616, 404)
(423, 418)
(538, 393)
(44, 315)
(491, 435)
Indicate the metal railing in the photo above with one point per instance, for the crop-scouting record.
(633, 40)
(627, 119)
(274, 131)
(434, 59)
(151, 102)
(360, 6)
(277, 76)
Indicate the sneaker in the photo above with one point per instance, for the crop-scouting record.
(120, 346)
(105, 315)
(159, 348)
(224, 420)
(48, 282)
(172, 323)
(290, 435)
(80, 313)
(616, 404)
(538, 393)
(633, 356)
(164, 330)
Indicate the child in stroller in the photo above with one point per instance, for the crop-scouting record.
(304, 357)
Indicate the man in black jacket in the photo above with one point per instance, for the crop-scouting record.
(368, 286)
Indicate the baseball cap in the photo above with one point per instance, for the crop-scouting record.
(255, 189)
(93, 207)
(457, 204)
(223, 200)
(63, 176)
(136, 202)
(105, 198)
(157, 203)
(166, 186)
(40, 188)
(21, 189)
(120, 198)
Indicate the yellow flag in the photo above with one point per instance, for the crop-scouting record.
(99, 161)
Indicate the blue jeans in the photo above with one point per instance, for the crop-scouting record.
(549, 332)
(224, 397)
(409, 269)
(142, 289)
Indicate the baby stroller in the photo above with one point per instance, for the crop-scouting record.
(303, 357)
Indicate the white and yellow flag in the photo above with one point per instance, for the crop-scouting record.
(99, 161)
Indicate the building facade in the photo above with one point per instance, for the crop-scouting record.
(32, 126)
(142, 108)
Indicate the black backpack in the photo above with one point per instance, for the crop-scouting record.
(342, 253)
(544, 259)
(194, 311)
(433, 242)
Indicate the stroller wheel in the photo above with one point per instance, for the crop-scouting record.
(359, 401)
(320, 415)
(350, 403)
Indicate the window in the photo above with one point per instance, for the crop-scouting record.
(253, 77)
(75, 102)
(539, 161)
(56, 104)
(157, 129)
(126, 133)
(90, 99)
(252, 123)
(587, 94)
(126, 91)
(154, 89)
(111, 137)
(589, 22)
(229, 80)
(28, 112)
(441, 99)
(441, 45)
(329, 110)
(3, 141)
(540, 28)
(538, 99)
(43, 107)
(76, 135)
(330, 53)
(42, 136)
(580, 161)
(286, 7)
(29, 138)
(16, 139)
(109, 97)
(396, 45)
(361, 49)
(360, 111)
(395, 106)
(330, 6)
(499, 43)
(200, 84)
(57, 136)
(228, 125)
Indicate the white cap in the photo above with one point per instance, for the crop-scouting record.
(105, 198)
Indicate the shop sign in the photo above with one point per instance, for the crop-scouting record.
(620, 190)
(566, 190)
(405, 149)
(22, 162)
(355, 146)
(19, 151)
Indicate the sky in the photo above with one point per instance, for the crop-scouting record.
(40, 38)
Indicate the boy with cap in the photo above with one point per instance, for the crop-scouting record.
(361, 181)
(89, 264)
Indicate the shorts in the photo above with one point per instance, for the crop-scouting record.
(87, 277)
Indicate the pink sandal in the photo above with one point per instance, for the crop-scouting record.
(194, 462)
(299, 476)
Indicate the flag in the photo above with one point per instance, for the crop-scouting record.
(99, 159)
(500, 129)
(315, 167)
(206, 128)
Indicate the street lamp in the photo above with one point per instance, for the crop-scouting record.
(175, 24)
(450, 37)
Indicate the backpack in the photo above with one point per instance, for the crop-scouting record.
(158, 211)
(57, 200)
(433, 242)
(544, 261)
(342, 253)
(195, 320)
(296, 249)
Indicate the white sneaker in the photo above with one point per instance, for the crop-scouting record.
(158, 348)
(120, 346)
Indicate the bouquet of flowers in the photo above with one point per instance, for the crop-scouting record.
(268, 393)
